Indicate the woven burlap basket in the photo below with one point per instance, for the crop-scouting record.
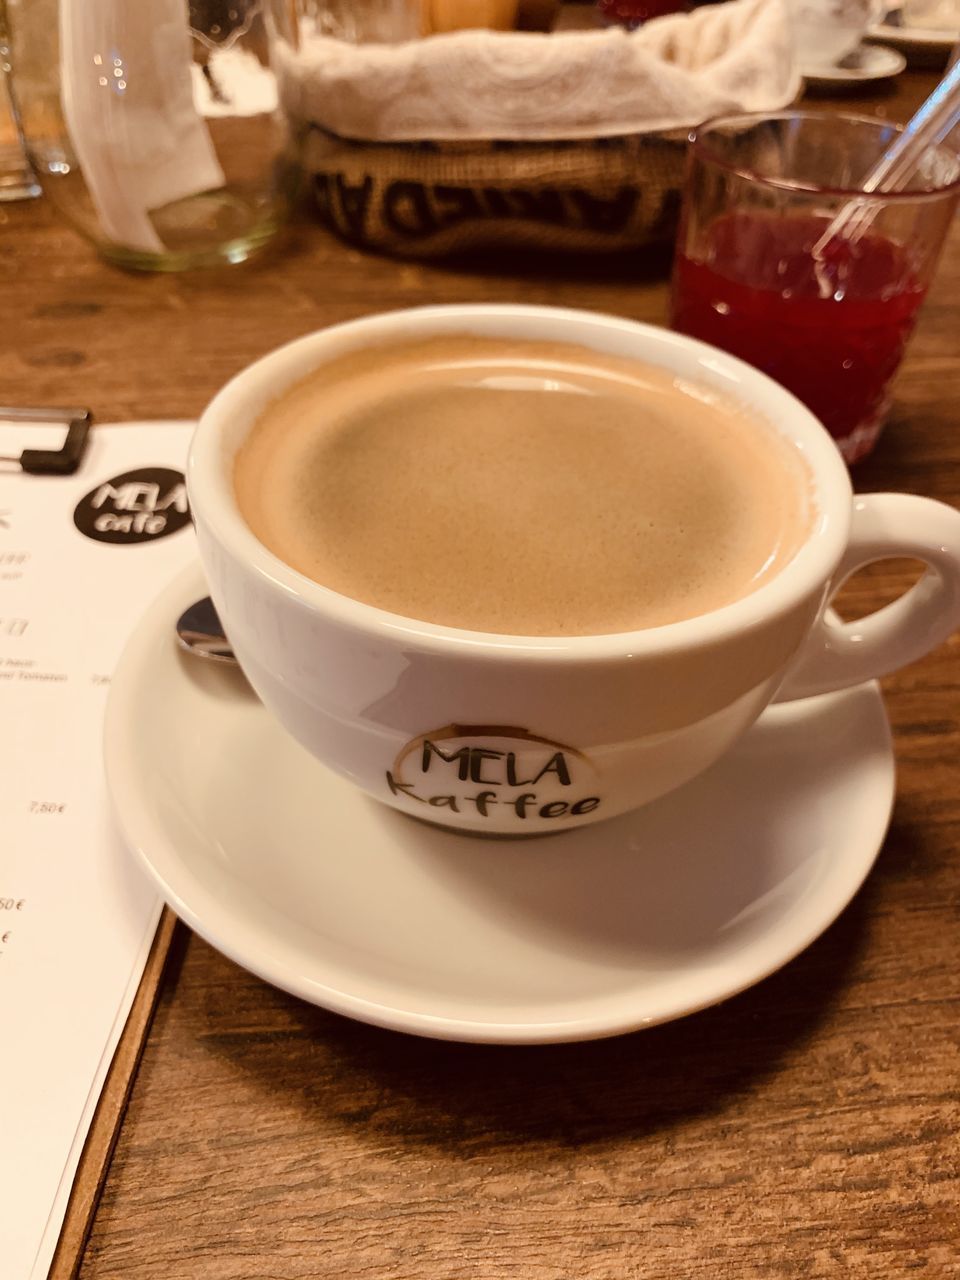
(428, 199)
(574, 141)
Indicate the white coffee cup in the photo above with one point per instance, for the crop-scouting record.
(826, 31)
(526, 735)
(933, 15)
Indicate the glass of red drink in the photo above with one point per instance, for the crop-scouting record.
(827, 314)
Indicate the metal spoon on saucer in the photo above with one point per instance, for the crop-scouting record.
(200, 632)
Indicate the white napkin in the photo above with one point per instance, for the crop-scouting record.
(671, 73)
(129, 108)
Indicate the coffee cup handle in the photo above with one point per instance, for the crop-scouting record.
(839, 654)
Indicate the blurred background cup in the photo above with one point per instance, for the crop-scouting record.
(936, 15)
(154, 127)
(752, 274)
(827, 31)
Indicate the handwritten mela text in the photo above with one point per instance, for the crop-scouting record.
(499, 776)
(138, 506)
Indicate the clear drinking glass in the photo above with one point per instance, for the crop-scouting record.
(17, 179)
(154, 127)
(752, 274)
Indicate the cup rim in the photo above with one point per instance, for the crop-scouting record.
(805, 574)
(700, 146)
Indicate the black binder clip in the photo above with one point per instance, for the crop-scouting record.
(51, 462)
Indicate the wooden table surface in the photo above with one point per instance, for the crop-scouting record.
(807, 1128)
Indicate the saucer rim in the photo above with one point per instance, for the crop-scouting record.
(226, 930)
(837, 75)
(927, 38)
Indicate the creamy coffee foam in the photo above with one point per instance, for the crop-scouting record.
(521, 488)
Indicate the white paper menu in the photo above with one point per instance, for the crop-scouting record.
(81, 557)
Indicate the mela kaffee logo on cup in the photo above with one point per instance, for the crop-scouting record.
(137, 506)
(487, 770)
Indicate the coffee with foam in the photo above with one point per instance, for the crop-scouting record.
(524, 488)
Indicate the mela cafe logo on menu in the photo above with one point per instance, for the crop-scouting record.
(138, 506)
(484, 769)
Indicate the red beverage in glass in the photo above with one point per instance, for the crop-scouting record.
(632, 13)
(785, 260)
(831, 330)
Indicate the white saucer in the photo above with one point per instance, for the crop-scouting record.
(332, 896)
(922, 46)
(866, 64)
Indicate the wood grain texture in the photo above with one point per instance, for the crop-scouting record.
(808, 1128)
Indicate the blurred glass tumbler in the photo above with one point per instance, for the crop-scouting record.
(830, 325)
(17, 181)
(154, 128)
